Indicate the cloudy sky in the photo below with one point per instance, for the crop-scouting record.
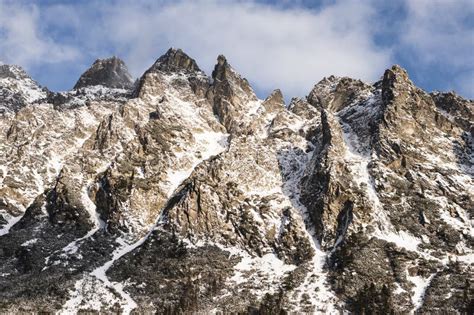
(273, 43)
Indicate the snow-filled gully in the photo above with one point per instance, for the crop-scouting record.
(315, 284)
(11, 221)
(94, 217)
(358, 160)
(216, 143)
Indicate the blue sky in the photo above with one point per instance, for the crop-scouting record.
(283, 44)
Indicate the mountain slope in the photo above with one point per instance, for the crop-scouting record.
(184, 193)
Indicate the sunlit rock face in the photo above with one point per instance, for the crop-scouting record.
(186, 193)
(111, 73)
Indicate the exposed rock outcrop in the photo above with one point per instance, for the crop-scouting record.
(110, 73)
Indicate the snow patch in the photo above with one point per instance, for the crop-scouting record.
(268, 264)
(266, 271)
(100, 273)
(30, 242)
(88, 294)
(421, 284)
(400, 238)
(94, 216)
(23, 85)
(90, 207)
(467, 259)
(209, 144)
(11, 221)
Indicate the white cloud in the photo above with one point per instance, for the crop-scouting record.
(21, 39)
(273, 47)
(284, 45)
(441, 32)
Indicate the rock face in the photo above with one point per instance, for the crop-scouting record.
(188, 194)
(17, 89)
(175, 60)
(111, 73)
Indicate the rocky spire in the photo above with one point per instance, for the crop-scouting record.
(395, 78)
(175, 60)
(230, 94)
(274, 101)
(221, 68)
(321, 93)
(111, 72)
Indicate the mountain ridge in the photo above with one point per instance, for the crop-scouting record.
(183, 193)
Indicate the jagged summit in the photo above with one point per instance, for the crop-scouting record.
(396, 72)
(334, 93)
(395, 76)
(111, 72)
(395, 79)
(220, 67)
(223, 71)
(13, 72)
(175, 60)
(231, 95)
(18, 89)
(275, 96)
(274, 101)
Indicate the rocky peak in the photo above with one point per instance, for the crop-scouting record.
(223, 72)
(274, 101)
(17, 89)
(303, 109)
(335, 93)
(459, 110)
(12, 72)
(231, 95)
(221, 60)
(322, 91)
(174, 67)
(220, 68)
(396, 74)
(407, 108)
(395, 78)
(111, 72)
(275, 96)
(175, 60)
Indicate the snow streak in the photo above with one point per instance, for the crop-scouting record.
(215, 143)
(315, 284)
